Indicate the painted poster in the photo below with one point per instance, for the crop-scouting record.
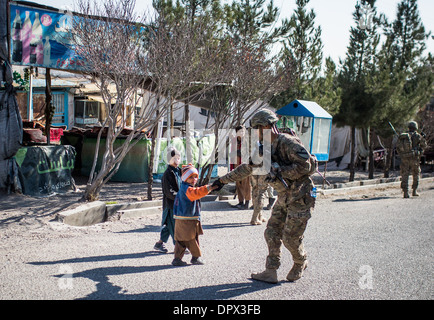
(39, 38)
(45, 170)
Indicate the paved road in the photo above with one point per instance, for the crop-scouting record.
(364, 246)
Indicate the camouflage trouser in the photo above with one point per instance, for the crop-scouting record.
(410, 166)
(259, 189)
(286, 226)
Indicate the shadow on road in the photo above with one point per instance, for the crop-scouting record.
(153, 228)
(362, 199)
(226, 225)
(148, 228)
(107, 290)
(137, 255)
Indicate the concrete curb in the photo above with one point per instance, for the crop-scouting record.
(117, 210)
(84, 215)
(98, 211)
(370, 185)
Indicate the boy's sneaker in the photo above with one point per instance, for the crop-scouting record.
(197, 261)
(159, 246)
(178, 262)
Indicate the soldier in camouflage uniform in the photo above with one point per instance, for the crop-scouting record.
(410, 160)
(292, 163)
(259, 188)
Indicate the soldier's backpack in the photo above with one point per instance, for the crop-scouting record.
(404, 145)
(303, 153)
(311, 158)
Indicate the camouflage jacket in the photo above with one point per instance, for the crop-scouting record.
(295, 164)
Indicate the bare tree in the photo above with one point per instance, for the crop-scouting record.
(124, 57)
(183, 62)
(252, 82)
(107, 43)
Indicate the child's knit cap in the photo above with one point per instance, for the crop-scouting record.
(187, 171)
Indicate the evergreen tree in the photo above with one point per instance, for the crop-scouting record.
(303, 47)
(405, 71)
(168, 9)
(190, 8)
(405, 74)
(247, 20)
(326, 91)
(357, 103)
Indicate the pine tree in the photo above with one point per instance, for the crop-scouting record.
(190, 8)
(404, 80)
(358, 104)
(410, 72)
(302, 46)
(325, 90)
(247, 19)
(252, 27)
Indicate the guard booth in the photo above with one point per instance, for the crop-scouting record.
(312, 124)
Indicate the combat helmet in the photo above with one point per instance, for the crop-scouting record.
(412, 125)
(263, 117)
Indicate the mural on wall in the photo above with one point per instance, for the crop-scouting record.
(44, 170)
(39, 38)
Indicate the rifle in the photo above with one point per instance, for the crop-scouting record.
(277, 174)
(322, 176)
(391, 125)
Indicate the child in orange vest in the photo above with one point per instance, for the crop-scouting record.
(186, 211)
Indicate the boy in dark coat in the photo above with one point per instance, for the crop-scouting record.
(170, 182)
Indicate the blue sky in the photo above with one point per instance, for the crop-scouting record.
(334, 17)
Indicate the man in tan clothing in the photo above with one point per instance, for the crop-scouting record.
(243, 187)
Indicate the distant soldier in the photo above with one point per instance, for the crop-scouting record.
(410, 147)
(292, 166)
(259, 188)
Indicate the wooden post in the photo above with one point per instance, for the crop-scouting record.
(48, 107)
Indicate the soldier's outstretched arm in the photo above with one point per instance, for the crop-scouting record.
(239, 173)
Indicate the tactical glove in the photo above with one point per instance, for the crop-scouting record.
(219, 184)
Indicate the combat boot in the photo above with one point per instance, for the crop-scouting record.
(269, 275)
(296, 271)
(255, 219)
(406, 195)
(415, 194)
